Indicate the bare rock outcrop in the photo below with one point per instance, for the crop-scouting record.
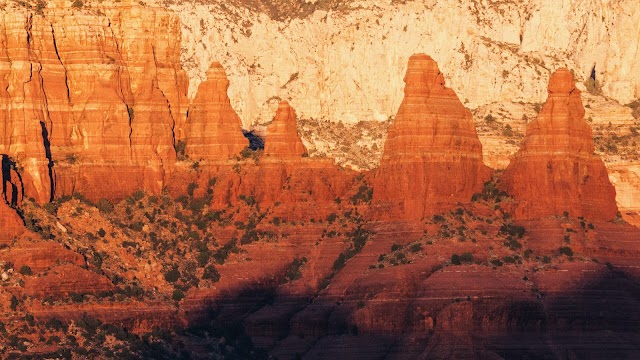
(556, 170)
(214, 130)
(432, 158)
(282, 135)
(91, 102)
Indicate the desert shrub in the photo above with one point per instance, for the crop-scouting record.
(489, 119)
(191, 188)
(13, 303)
(635, 109)
(331, 218)
(455, 259)
(513, 230)
(415, 248)
(593, 86)
(507, 131)
(180, 150)
(138, 195)
(79, 4)
(25, 270)
(340, 262)
(177, 295)
(203, 258)
(496, 262)
(566, 250)
(105, 206)
(249, 200)
(172, 275)
(364, 195)
(466, 257)
(294, 272)
(211, 273)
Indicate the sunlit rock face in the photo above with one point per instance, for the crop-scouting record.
(556, 170)
(432, 158)
(90, 102)
(214, 130)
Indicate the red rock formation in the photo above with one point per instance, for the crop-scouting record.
(283, 140)
(101, 98)
(432, 158)
(41, 256)
(556, 170)
(214, 130)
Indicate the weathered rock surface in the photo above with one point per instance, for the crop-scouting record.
(91, 101)
(343, 60)
(432, 158)
(40, 256)
(65, 280)
(283, 140)
(556, 169)
(214, 130)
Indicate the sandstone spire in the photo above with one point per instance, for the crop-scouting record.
(556, 169)
(282, 135)
(213, 128)
(432, 158)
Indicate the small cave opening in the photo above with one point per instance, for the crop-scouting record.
(47, 150)
(593, 73)
(256, 141)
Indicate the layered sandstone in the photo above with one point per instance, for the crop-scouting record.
(432, 158)
(41, 256)
(214, 130)
(343, 60)
(65, 280)
(556, 170)
(91, 101)
(283, 140)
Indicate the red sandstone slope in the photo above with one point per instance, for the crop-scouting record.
(556, 169)
(10, 197)
(432, 158)
(213, 127)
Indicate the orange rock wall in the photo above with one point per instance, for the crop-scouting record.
(89, 102)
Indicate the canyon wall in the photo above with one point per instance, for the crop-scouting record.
(90, 100)
(344, 61)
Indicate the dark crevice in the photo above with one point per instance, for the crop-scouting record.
(11, 196)
(66, 77)
(256, 142)
(47, 149)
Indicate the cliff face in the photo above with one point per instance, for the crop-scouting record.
(556, 169)
(91, 101)
(344, 60)
(432, 158)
